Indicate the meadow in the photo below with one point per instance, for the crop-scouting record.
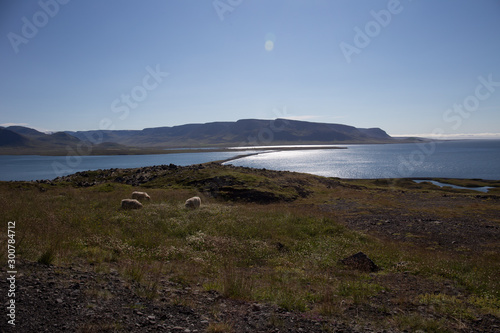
(276, 238)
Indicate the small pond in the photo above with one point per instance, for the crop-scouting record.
(480, 189)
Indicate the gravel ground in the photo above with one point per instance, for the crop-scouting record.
(77, 299)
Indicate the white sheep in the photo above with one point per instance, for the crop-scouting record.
(193, 203)
(140, 195)
(131, 204)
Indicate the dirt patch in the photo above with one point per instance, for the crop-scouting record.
(451, 222)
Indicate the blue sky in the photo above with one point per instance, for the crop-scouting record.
(408, 66)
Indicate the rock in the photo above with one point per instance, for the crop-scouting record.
(361, 262)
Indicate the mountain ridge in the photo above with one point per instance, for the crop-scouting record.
(20, 136)
(249, 131)
(154, 140)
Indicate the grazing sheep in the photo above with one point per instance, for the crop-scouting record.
(193, 202)
(131, 204)
(140, 195)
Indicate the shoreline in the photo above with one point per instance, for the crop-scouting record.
(149, 151)
(100, 151)
(174, 151)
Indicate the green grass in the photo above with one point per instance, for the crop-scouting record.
(283, 253)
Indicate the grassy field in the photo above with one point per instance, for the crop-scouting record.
(285, 252)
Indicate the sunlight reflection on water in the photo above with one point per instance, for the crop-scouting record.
(456, 159)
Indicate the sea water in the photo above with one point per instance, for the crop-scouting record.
(450, 159)
(33, 167)
(447, 159)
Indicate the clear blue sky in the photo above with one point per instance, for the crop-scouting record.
(398, 65)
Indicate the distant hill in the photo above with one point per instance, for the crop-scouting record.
(26, 131)
(241, 132)
(19, 139)
(35, 138)
(246, 132)
(12, 139)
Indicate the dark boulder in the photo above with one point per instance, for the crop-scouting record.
(361, 262)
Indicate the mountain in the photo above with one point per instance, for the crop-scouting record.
(23, 140)
(245, 132)
(242, 132)
(12, 139)
(26, 131)
(34, 138)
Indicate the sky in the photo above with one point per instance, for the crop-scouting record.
(410, 67)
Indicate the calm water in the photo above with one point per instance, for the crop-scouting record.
(452, 159)
(479, 189)
(32, 167)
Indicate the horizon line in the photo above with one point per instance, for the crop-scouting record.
(450, 136)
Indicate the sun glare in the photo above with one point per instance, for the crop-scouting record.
(269, 45)
(270, 39)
